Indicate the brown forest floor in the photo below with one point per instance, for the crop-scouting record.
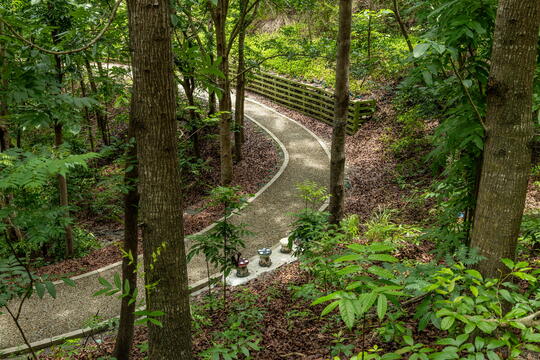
(261, 161)
(291, 328)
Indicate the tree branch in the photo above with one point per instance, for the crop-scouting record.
(18, 36)
(469, 97)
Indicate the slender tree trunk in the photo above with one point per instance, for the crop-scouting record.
(87, 118)
(58, 141)
(4, 128)
(100, 117)
(153, 111)
(369, 33)
(219, 15)
(189, 88)
(212, 100)
(105, 115)
(124, 339)
(239, 135)
(402, 27)
(337, 163)
(509, 132)
(63, 191)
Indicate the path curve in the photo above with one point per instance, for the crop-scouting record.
(268, 217)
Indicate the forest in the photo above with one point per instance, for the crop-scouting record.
(270, 179)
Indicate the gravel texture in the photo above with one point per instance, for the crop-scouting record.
(268, 218)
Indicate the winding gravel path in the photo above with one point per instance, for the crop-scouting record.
(268, 217)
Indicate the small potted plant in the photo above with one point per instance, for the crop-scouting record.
(264, 257)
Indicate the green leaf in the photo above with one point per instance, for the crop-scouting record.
(347, 311)
(509, 263)
(104, 282)
(447, 322)
(40, 289)
(330, 307)
(381, 272)
(51, 289)
(475, 274)
(382, 257)
(420, 50)
(492, 355)
(69, 282)
(486, 326)
(382, 306)
(474, 290)
(408, 340)
(428, 78)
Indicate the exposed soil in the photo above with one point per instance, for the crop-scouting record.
(371, 170)
(261, 161)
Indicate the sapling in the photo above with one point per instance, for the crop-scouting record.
(221, 244)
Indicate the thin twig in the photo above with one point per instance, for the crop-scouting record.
(469, 97)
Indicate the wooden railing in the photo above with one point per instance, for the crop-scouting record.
(309, 100)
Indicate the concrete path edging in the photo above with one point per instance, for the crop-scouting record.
(251, 199)
(317, 170)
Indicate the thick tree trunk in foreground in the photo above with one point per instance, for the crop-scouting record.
(337, 163)
(509, 131)
(219, 15)
(153, 111)
(124, 338)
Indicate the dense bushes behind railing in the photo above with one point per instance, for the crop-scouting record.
(309, 100)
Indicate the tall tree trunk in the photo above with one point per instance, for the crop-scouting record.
(124, 339)
(100, 116)
(4, 128)
(87, 117)
(189, 88)
(239, 135)
(153, 111)
(102, 73)
(63, 191)
(337, 163)
(219, 14)
(58, 141)
(509, 132)
(402, 27)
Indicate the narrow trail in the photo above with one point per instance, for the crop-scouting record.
(268, 217)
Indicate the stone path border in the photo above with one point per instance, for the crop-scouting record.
(320, 175)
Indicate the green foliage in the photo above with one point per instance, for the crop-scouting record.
(242, 334)
(221, 244)
(300, 51)
(530, 231)
(25, 183)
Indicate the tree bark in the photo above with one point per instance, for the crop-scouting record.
(153, 111)
(100, 117)
(219, 15)
(63, 191)
(58, 141)
(509, 132)
(124, 338)
(4, 128)
(239, 135)
(337, 162)
(87, 118)
(402, 27)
